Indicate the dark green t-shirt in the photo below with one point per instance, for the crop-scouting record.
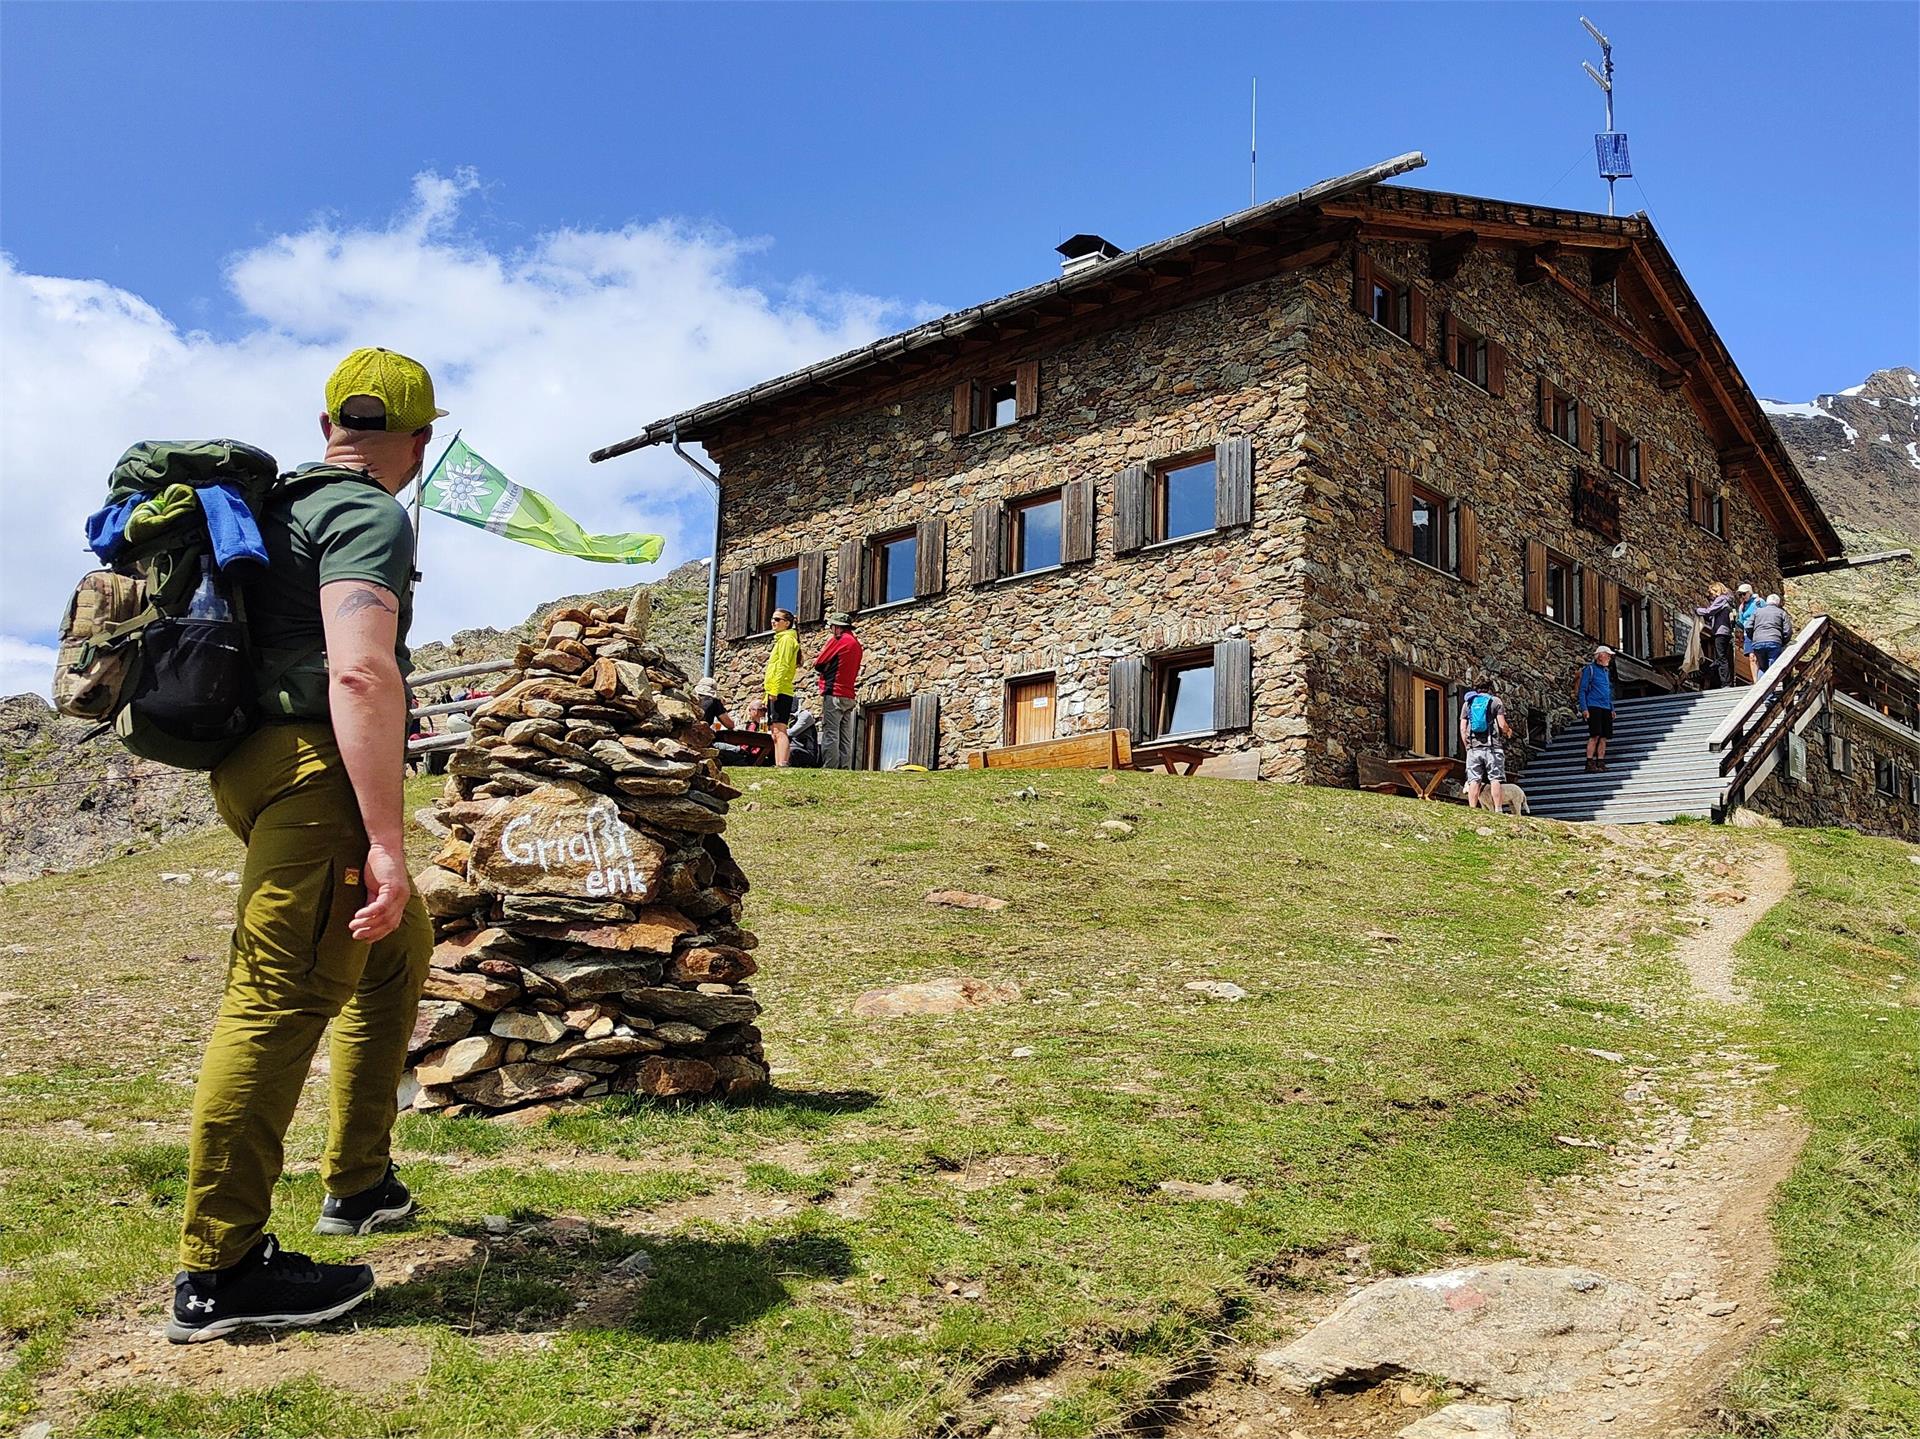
(340, 529)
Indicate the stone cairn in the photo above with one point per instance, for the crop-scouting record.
(586, 909)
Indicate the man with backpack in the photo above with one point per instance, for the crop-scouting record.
(1483, 721)
(328, 927)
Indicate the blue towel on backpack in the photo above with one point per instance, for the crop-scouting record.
(230, 526)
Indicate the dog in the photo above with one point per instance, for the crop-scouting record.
(1512, 797)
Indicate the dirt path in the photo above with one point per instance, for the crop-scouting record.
(1679, 1213)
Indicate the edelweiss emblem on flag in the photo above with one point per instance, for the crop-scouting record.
(463, 486)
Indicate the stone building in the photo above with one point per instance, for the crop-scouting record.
(1280, 486)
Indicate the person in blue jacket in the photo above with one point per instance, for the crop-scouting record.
(1593, 697)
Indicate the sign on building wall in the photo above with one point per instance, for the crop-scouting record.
(1596, 504)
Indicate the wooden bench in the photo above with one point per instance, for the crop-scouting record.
(1173, 758)
(1376, 776)
(1103, 749)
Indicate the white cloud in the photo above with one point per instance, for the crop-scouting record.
(541, 354)
(25, 668)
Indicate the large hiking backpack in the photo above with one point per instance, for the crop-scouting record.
(156, 647)
(1479, 715)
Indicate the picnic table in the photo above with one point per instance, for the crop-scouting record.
(1168, 756)
(1424, 774)
(756, 746)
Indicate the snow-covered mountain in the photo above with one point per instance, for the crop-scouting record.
(1859, 449)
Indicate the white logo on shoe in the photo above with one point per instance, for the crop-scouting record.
(197, 1303)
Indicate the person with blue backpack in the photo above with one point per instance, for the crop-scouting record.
(1593, 697)
(1483, 723)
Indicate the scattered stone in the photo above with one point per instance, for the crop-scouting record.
(1216, 989)
(1679, 1285)
(1720, 1309)
(934, 996)
(636, 1265)
(496, 1224)
(1220, 1190)
(964, 899)
(1507, 1331)
(166, 878)
(1464, 1421)
(1118, 827)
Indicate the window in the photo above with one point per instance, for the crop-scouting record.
(888, 730)
(1183, 694)
(778, 588)
(1467, 353)
(1839, 753)
(992, 402)
(1390, 304)
(1885, 778)
(890, 567)
(1002, 406)
(1634, 630)
(1435, 529)
(1430, 734)
(1563, 591)
(1716, 513)
(1621, 452)
(1033, 533)
(1560, 414)
(1182, 499)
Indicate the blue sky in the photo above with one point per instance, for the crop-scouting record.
(836, 170)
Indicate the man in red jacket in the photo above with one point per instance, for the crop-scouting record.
(838, 665)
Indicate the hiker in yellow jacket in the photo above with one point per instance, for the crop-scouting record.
(781, 664)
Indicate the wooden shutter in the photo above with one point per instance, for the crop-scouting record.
(1583, 426)
(1399, 705)
(1695, 490)
(1544, 406)
(930, 557)
(1469, 545)
(1660, 631)
(1076, 522)
(1399, 511)
(1590, 603)
(1233, 684)
(1496, 368)
(964, 407)
(923, 729)
(739, 593)
(849, 573)
(1609, 629)
(1026, 389)
(1132, 489)
(1608, 442)
(1537, 577)
(1362, 282)
(1416, 317)
(987, 523)
(811, 599)
(1451, 742)
(1127, 697)
(1233, 482)
(1446, 338)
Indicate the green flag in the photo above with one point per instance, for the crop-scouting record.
(465, 487)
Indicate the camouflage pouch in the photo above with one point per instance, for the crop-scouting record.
(97, 656)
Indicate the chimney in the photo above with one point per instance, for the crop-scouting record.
(1083, 252)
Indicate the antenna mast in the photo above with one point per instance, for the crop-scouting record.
(1609, 147)
(1253, 148)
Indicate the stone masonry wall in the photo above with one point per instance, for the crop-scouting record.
(1826, 797)
(1165, 386)
(1377, 402)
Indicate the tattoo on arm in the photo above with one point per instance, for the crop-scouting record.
(361, 600)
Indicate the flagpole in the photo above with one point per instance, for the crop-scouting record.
(419, 493)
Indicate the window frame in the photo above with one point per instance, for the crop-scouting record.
(1448, 532)
(1384, 282)
(766, 597)
(1159, 496)
(1625, 444)
(879, 565)
(1715, 505)
(1477, 345)
(1642, 610)
(1563, 408)
(1014, 523)
(1160, 668)
(987, 406)
(1576, 586)
(1423, 684)
(873, 732)
(1884, 764)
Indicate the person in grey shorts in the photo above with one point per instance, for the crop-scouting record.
(1483, 723)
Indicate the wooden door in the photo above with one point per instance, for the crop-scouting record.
(1030, 707)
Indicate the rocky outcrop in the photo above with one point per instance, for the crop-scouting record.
(586, 907)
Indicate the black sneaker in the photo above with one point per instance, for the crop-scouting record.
(387, 1200)
(270, 1288)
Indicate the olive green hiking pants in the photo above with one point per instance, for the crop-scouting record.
(292, 968)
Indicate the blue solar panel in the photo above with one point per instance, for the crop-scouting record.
(1611, 150)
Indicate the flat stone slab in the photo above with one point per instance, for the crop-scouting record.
(1464, 1421)
(1506, 1331)
(933, 996)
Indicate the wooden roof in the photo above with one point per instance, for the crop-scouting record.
(1654, 311)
